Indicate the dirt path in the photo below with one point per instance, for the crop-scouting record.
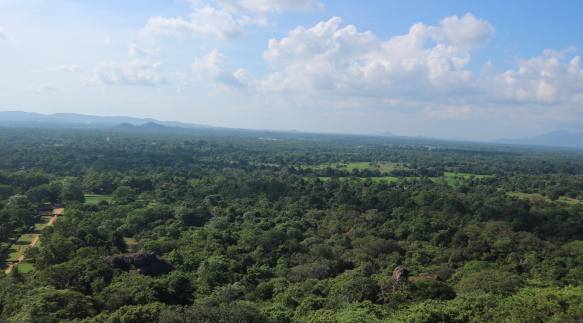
(56, 213)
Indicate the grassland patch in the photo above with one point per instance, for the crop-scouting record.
(25, 267)
(96, 198)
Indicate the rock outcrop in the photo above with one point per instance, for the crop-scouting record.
(145, 263)
(400, 273)
(399, 281)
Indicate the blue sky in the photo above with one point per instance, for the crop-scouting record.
(478, 70)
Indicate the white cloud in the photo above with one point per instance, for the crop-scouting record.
(328, 57)
(269, 6)
(539, 80)
(2, 35)
(136, 51)
(329, 65)
(467, 30)
(44, 88)
(224, 18)
(64, 68)
(204, 22)
(208, 67)
(135, 72)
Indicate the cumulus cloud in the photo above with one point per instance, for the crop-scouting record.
(544, 79)
(64, 68)
(321, 58)
(467, 30)
(327, 57)
(135, 72)
(44, 88)
(136, 51)
(342, 67)
(203, 22)
(223, 18)
(250, 7)
(208, 66)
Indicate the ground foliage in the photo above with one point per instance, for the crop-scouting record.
(256, 236)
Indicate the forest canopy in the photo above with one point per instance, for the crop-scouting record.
(289, 227)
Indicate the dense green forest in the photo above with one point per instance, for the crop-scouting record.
(290, 227)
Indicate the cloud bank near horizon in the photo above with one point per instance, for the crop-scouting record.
(230, 63)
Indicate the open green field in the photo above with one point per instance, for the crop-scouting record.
(96, 198)
(25, 267)
(386, 178)
(465, 175)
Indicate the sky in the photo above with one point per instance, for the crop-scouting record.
(476, 70)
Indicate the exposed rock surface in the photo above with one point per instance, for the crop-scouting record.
(399, 279)
(400, 273)
(146, 263)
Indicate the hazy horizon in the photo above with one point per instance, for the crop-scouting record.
(475, 71)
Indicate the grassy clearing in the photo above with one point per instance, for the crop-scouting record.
(465, 175)
(570, 200)
(20, 246)
(526, 195)
(11, 237)
(386, 178)
(14, 253)
(23, 241)
(96, 198)
(25, 267)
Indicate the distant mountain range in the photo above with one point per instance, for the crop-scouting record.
(560, 138)
(28, 119)
(384, 134)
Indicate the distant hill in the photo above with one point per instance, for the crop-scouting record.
(559, 138)
(151, 127)
(28, 119)
(384, 134)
